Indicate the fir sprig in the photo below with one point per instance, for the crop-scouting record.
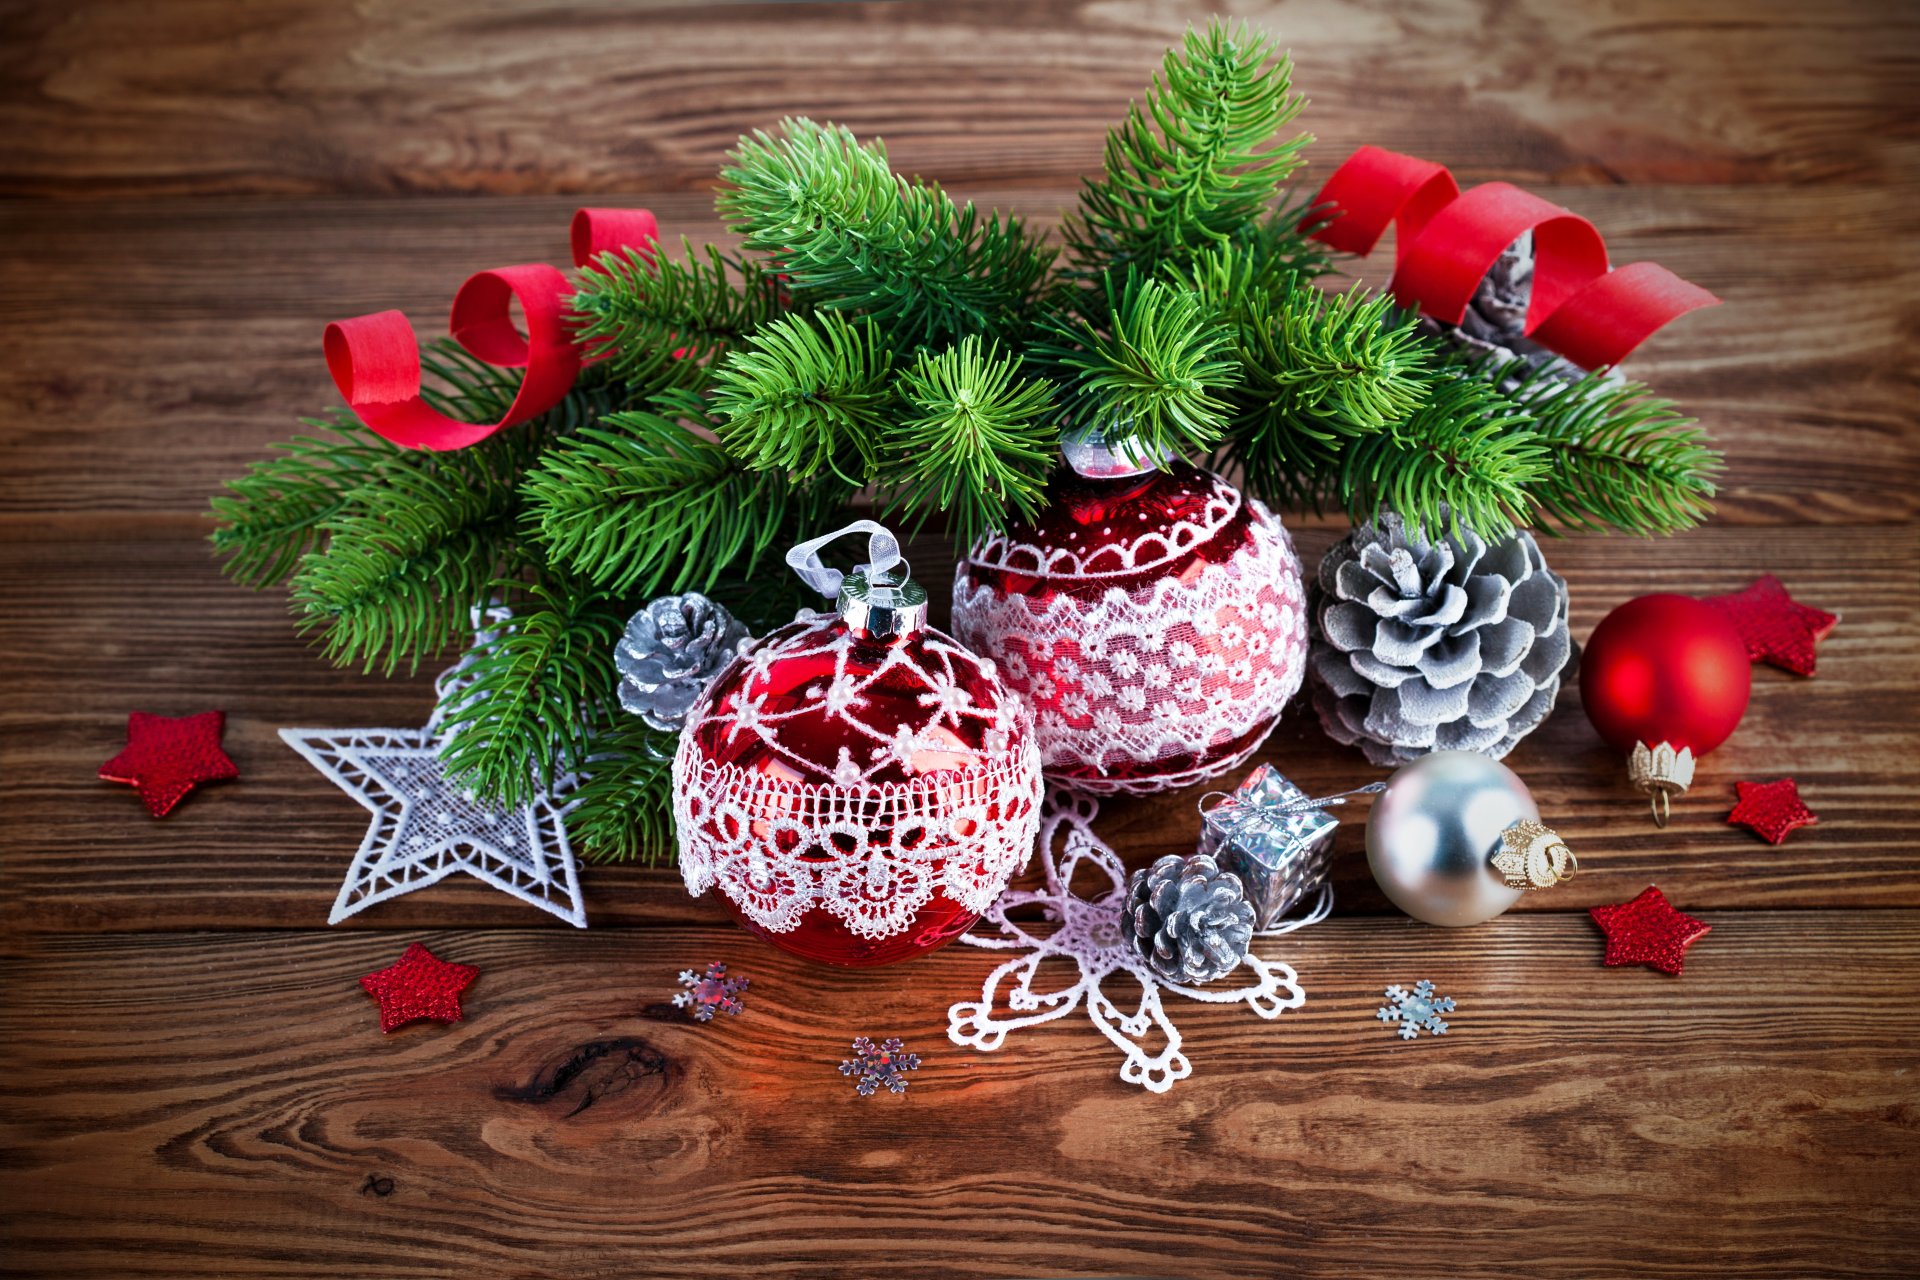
(536, 696)
(1464, 457)
(843, 227)
(807, 395)
(623, 811)
(1151, 372)
(1621, 457)
(662, 321)
(1196, 165)
(976, 440)
(646, 504)
(412, 553)
(278, 511)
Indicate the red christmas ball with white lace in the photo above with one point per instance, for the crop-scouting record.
(859, 786)
(1153, 616)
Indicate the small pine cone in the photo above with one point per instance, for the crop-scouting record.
(1423, 646)
(1189, 920)
(1493, 326)
(672, 648)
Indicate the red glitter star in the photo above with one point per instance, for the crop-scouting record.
(1777, 628)
(1648, 931)
(167, 757)
(419, 985)
(1772, 809)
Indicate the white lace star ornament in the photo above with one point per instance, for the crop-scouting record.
(425, 827)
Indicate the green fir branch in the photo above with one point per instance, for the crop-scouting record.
(1198, 162)
(1151, 369)
(662, 322)
(1621, 457)
(1464, 457)
(534, 698)
(646, 504)
(977, 439)
(278, 511)
(847, 231)
(623, 810)
(807, 396)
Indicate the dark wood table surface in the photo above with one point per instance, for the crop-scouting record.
(193, 1082)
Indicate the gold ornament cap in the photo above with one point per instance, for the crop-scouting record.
(1533, 856)
(1662, 773)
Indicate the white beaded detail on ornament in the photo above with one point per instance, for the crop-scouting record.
(1140, 689)
(1110, 560)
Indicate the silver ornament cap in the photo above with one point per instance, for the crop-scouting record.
(1433, 835)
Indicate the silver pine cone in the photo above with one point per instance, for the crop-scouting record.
(1493, 326)
(1189, 920)
(1449, 645)
(671, 649)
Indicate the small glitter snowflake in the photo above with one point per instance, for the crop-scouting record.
(887, 1064)
(1416, 1010)
(710, 993)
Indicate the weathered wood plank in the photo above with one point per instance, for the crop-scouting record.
(217, 1103)
(99, 625)
(199, 345)
(289, 97)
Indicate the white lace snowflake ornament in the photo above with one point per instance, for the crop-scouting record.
(425, 827)
(1087, 935)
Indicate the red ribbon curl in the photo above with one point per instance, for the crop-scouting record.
(1448, 240)
(375, 360)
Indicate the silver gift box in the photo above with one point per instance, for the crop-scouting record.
(1281, 857)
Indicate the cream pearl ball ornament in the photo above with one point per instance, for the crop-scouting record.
(1456, 839)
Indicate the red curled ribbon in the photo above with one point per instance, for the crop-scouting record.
(375, 360)
(1448, 239)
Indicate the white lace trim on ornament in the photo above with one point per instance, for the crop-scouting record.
(1149, 551)
(1134, 694)
(778, 849)
(1086, 933)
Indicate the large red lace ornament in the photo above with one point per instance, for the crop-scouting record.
(859, 786)
(1447, 240)
(1153, 617)
(375, 360)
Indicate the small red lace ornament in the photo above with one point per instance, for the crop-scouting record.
(1153, 616)
(419, 985)
(1772, 809)
(1648, 931)
(859, 786)
(167, 757)
(1777, 629)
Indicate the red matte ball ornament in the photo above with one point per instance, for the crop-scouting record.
(859, 786)
(1152, 615)
(1665, 678)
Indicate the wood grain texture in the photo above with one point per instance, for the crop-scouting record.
(191, 1084)
(177, 1096)
(289, 97)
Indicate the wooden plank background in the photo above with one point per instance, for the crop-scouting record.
(194, 1085)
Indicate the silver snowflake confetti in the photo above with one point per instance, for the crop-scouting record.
(710, 993)
(1416, 1010)
(887, 1064)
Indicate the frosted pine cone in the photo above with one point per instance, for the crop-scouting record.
(1493, 326)
(1189, 920)
(672, 648)
(1436, 646)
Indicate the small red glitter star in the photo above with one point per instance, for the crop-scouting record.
(1648, 931)
(419, 985)
(1777, 628)
(1772, 809)
(167, 757)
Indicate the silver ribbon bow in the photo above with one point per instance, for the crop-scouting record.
(883, 553)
